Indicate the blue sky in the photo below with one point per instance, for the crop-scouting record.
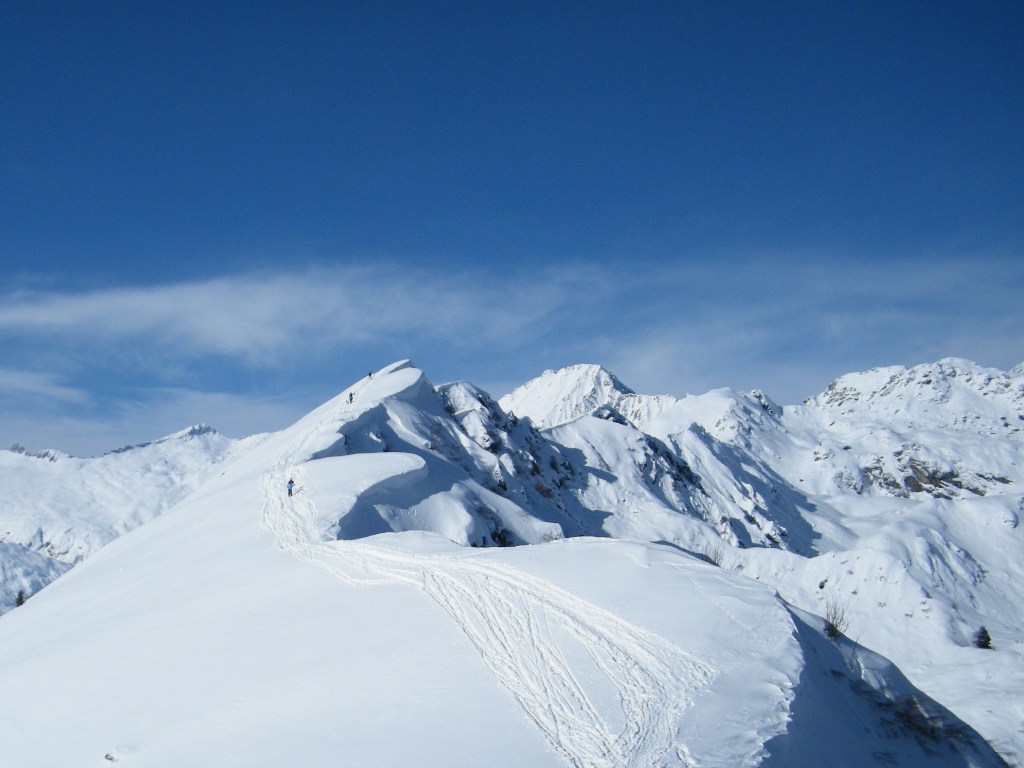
(230, 212)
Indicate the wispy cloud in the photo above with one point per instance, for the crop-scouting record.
(120, 365)
(129, 364)
(258, 318)
(789, 326)
(15, 384)
(148, 415)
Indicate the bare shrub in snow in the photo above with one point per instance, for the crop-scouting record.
(713, 552)
(836, 620)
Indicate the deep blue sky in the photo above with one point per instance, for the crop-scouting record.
(693, 194)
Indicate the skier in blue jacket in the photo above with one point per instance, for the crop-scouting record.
(291, 484)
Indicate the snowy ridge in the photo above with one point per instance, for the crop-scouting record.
(509, 616)
(58, 509)
(952, 394)
(196, 430)
(666, 609)
(909, 477)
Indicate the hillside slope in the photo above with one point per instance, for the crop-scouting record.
(350, 625)
(57, 509)
(895, 495)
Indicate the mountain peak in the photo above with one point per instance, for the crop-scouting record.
(891, 512)
(558, 397)
(196, 430)
(951, 392)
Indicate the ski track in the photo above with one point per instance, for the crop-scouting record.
(510, 617)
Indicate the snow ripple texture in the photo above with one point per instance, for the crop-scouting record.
(525, 629)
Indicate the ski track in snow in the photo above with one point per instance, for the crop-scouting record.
(511, 618)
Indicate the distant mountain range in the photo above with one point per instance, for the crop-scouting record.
(883, 512)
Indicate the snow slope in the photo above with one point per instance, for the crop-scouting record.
(58, 509)
(351, 625)
(895, 494)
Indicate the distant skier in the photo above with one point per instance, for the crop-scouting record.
(350, 397)
(291, 485)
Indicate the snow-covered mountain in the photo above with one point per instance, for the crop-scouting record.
(896, 492)
(666, 606)
(58, 509)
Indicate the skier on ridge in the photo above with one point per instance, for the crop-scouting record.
(291, 485)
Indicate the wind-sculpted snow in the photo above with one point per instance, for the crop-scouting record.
(897, 491)
(378, 616)
(521, 625)
(606, 691)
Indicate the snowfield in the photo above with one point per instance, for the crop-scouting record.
(576, 575)
(57, 509)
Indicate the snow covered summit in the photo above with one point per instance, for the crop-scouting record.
(557, 397)
(57, 509)
(951, 394)
(692, 586)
